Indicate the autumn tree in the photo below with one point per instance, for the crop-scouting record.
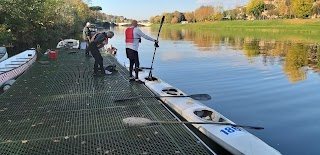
(204, 13)
(189, 16)
(255, 8)
(175, 20)
(316, 9)
(282, 8)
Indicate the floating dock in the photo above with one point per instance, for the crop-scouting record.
(58, 107)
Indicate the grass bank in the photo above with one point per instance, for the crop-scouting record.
(282, 29)
(298, 25)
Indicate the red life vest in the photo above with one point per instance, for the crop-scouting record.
(129, 35)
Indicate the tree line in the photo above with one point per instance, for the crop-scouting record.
(255, 9)
(31, 22)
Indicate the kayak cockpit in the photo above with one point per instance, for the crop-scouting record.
(208, 115)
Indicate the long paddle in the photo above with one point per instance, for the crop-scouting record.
(155, 48)
(201, 97)
(138, 121)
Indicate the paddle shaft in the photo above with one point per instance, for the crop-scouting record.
(234, 125)
(147, 97)
(155, 48)
(194, 96)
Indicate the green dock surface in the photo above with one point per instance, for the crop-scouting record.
(60, 108)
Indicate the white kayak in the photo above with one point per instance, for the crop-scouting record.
(16, 65)
(234, 139)
(3, 54)
(69, 44)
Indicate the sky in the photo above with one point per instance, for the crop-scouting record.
(144, 9)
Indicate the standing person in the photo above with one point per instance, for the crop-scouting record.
(86, 35)
(96, 42)
(133, 38)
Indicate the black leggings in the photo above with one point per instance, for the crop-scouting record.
(87, 47)
(133, 57)
(97, 57)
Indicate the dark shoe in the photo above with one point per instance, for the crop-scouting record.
(88, 55)
(98, 74)
(102, 71)
(139, 81)
(131, 79)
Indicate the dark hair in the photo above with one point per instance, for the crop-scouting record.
(109, 33)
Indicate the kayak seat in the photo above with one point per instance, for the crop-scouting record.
(208, 115)
(205, 114)
(172, 91)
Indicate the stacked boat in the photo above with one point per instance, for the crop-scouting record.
(233, 138)
(3, 53)
(69, 44)
(16, 65)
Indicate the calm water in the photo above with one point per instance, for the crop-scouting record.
(269, 83)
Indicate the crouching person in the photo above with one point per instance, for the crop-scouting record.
(98, 41)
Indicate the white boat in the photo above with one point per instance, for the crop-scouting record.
(16, 65)
(234, 139)
(69, 44)
(3, 53)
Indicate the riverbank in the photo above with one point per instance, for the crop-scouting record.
(298, 25)
(284, 29)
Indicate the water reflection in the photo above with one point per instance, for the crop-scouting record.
(296, 57)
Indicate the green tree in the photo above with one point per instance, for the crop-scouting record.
(302, 8)
(255, 8)
(168, 17)
(296, 58)
(252, 48)
(95, 8)
(179, 16)
(156, 19)
(40, 21)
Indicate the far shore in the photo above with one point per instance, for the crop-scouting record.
(279, 29)
(307, 25)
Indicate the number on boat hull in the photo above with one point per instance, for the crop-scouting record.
(230, 130)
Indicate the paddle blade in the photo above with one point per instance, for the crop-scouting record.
(201, 97)
(136, 121)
